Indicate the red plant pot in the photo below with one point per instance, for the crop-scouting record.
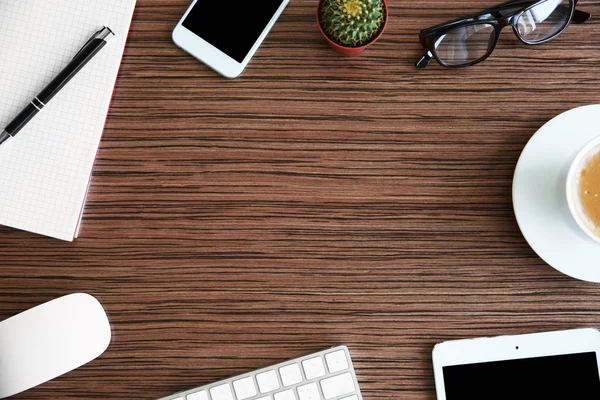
(350, 51)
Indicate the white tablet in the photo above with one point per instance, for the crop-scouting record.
(552, 365)
(225, 34)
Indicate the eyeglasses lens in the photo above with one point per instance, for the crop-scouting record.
(465, 44)
(544, 20)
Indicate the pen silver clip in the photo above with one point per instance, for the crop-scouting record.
(101, 34)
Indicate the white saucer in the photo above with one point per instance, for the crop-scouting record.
(539, 194)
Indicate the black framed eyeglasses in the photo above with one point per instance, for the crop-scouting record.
(470, 40)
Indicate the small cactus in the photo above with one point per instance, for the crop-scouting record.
(352, 23)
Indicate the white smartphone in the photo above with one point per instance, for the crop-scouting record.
(225, 34)
(552, 365)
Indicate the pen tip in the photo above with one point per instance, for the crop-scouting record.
(4, 136)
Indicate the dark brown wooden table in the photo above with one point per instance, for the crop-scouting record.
(316, 200)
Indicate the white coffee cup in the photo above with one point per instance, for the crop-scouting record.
(573, 184)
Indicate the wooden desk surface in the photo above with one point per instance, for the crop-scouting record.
(317, 200)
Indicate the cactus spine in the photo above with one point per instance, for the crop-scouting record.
(352, 23)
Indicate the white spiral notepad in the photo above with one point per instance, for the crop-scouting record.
(45, 170)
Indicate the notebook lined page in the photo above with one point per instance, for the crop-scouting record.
(45, 169)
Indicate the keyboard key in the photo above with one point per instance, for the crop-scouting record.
(201, 395)
(355, 397)
(309, 392)
(336, 361)
(336, 386)
(179, 398)
(267, 381)
(313, 367)
(244, 388)
(286, 395)
(222, 392)
(265, 398)
(290, 374)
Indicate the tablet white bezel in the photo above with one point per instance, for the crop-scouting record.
(210, 55)
(501, 348)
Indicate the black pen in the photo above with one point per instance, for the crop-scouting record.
(87, 52)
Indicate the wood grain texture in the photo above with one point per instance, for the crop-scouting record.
(316, 200)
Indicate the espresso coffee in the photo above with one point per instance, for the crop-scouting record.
(589, 190)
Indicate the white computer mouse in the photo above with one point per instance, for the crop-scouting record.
(50, 340)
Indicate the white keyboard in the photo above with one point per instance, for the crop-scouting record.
(326, 375)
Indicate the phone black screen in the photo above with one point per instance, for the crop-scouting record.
(571, 376)
(232, 26)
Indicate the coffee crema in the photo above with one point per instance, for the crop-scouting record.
(589, 190)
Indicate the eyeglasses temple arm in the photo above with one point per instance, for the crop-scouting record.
(579, 17)
(424, 61)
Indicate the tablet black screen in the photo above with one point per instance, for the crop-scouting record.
(568, 377)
